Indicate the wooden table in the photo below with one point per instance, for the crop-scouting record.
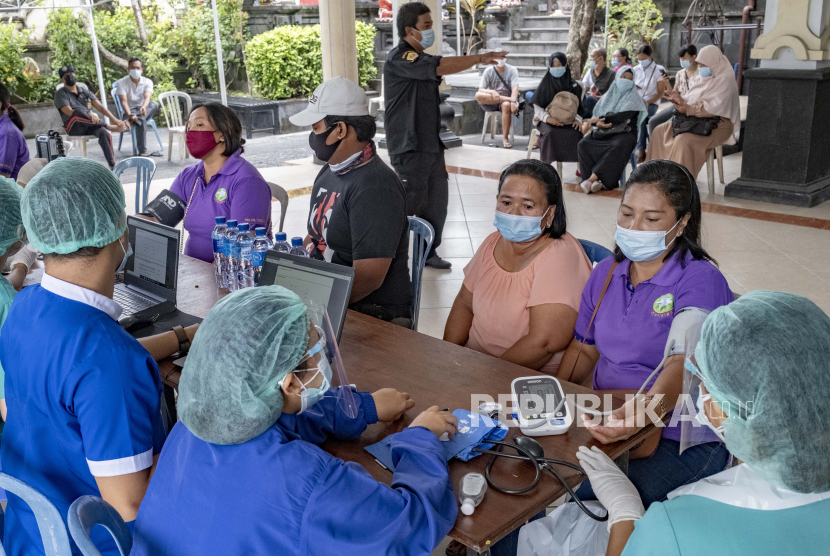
(378, 355)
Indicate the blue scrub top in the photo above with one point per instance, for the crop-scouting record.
(692, 525)
(83, 399)
(7, 295)
(280, 494)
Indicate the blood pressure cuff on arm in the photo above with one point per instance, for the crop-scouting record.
(168, 208)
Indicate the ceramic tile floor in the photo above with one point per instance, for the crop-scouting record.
(753, 254)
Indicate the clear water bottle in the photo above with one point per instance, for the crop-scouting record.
(281, 243)
(218, 237)
(227, 262)
(297, 247)
(258, 249)
(242, 257)
(471, 492)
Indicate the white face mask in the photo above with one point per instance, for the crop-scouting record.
(127, 254)
(639, 245)
(501, 63)
(702, 418)
(135, 74)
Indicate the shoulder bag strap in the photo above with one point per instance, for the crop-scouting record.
(503, 82)
(591, 322)
(187, 208)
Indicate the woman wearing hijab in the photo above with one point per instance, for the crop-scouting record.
(715, 96)
(557, 141)
(604, 152)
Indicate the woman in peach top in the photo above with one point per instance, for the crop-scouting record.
(521, 292)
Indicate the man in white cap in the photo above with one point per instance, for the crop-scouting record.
(358, 206)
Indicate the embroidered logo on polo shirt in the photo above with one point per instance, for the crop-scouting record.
(221, 195)
(664, 304)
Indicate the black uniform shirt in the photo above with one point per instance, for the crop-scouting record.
(412, 118)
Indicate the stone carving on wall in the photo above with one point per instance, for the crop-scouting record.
(791, 30)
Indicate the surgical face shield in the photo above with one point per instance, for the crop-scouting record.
(323, 357)
(693, 428)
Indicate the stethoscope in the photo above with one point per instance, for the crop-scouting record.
(530, 450)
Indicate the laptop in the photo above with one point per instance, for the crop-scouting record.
(323, 283)
(151, 272)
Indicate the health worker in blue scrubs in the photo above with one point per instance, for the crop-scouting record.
(83, 395)
(242, 473)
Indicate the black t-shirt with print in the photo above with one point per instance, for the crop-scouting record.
(362, 215)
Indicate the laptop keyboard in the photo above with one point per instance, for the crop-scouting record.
(131, 302)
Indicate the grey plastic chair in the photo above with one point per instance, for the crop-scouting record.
(150, 122)
(280, 195)
(49, 523)
(595, 251)
(88, 511)
(145, 170)
(424, 234)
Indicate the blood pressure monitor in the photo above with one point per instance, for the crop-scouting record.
(540, 407)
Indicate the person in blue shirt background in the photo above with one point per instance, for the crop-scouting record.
(242, 473)
(83, 395)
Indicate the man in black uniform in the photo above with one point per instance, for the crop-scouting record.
(413, 120)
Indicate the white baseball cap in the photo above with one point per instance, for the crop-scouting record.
(336, 97)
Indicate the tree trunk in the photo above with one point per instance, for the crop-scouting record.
(139, 22)
(579, 34)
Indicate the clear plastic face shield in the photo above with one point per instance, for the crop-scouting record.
(694, 429)
(323, 358)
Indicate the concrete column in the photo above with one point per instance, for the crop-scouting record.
(796, 35)
(339, 42)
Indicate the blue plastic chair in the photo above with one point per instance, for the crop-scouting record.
(150, 122)
(595, 251)
(421, 244)
(49, 523)
(88, 511)
(145, 170)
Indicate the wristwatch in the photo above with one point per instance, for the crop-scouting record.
(184, 341)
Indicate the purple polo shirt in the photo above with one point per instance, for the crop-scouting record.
(13, 150)
(237, 192)
(632, 325)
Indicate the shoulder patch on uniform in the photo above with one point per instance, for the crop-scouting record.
(410, 55)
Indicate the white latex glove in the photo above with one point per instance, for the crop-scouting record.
(27, 255)
(611, 487)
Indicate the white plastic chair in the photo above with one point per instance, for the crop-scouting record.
(176, 120)
(494, 122)
(717, 152)
(281, 195)
(377, 104)
(533, 133)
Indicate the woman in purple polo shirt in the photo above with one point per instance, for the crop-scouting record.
(13, 150)
(222, 184)
(659, 272)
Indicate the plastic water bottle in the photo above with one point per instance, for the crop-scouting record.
(258, 249)
(227, 262)
(242, 257)
(297, 247)
(218, 237)
(281, 243)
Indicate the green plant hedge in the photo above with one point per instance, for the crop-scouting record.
(287, 61)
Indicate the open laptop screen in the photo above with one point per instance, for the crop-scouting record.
(154, 264)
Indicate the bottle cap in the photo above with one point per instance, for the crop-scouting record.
(220, 219)
(231, 223)
(468, 506)
(280, 236)
(296, 242)
(260, 231)
(244, 227)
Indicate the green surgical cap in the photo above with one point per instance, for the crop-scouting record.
(772, 349)
(11, 223)
(249, 342)
(73, 203)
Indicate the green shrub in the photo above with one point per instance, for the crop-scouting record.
(198, 45)
(632, 23)
(287, 61)
(12, 43)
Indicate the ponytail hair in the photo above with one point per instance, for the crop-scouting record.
(5, 106)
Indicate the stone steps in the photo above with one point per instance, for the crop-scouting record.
(536, 34)
(547, 21)
(534, 47)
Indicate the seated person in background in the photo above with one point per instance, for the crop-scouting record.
(620, 58)
(243, 473)
(357, 215)
(648, 77)
(73, 101)
(14, 153)
(597, 79)
(11, 232)
(135, 91)
(605, 149)
(558, 140)
(82, 394)
(713, 103)
(499, 91)
(658, 270)
(228, 185)
(765, 389)
(521, 291)
(683, 80)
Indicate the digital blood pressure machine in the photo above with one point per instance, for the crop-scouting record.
(538, 402)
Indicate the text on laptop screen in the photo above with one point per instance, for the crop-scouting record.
(154, 257)
(310, 286)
